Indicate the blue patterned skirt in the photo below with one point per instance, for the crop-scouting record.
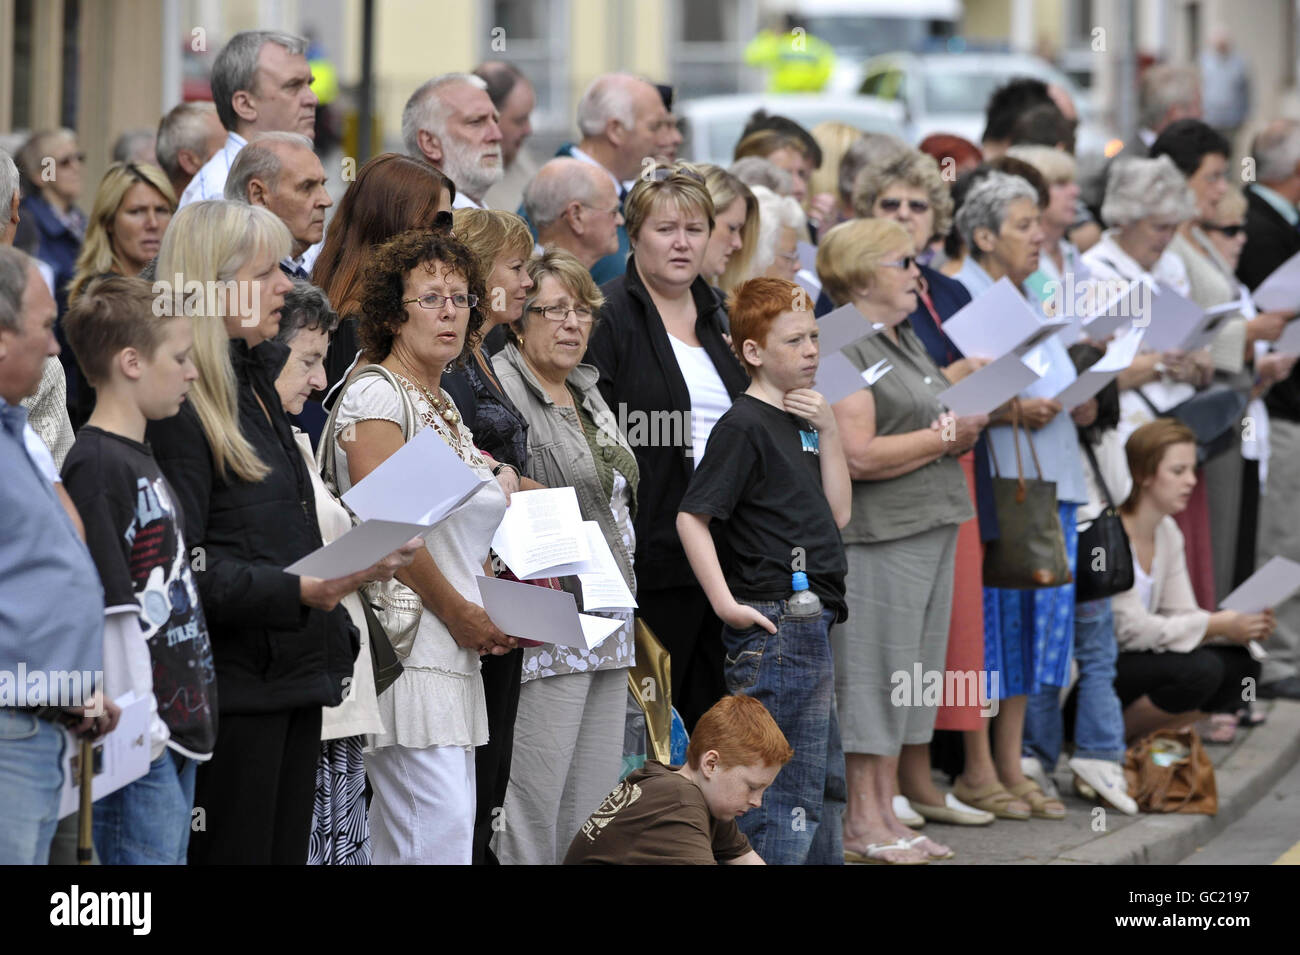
(1029, 634)
(340, 834)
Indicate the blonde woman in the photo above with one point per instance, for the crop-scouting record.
(834, 138)
(735, 228)
(283, 645)
(132, 209)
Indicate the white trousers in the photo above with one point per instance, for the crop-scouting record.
(422, 812)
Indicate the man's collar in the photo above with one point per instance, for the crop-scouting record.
(1279, 202)
(577, 153)
(463, 201)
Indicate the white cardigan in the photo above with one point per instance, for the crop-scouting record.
(1175, 623)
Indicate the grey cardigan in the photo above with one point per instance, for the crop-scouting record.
(558, 455)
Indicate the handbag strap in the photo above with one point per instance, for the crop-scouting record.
(1096, 470)
(1016, 430)
(326, 453)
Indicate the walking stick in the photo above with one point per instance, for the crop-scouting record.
(84, 819)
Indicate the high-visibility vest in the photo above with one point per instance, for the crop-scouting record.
(797, 62)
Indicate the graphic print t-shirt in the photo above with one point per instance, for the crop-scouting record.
(134, 533)
(656, 817)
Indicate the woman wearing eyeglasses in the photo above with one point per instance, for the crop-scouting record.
(668, 375)
(568, 749)
(420, 314)
(781, 223)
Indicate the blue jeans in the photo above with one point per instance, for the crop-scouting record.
(1099, 720)
(147, 822)
(791, 673)
(31, 784)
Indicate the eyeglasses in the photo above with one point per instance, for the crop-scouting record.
(434, 300)
(905, 263)
(78, 158)
(560, 313)
(918, 206)
(1229, 231)
(609, 212)
(788, 256)
(664, 173)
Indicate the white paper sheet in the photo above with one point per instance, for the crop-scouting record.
(807, 256)
(838, 329)
(1124, 305)
(997, 322)
(1272, 584)
(1210, 331)
(1175, 320)
(1281, 290)
(542, 535)
(989, 388)
(603, 588)
(121, 757)
(359, 548)
(1289, 342)
(1046, 330)
(837, 378)
(1119, 355)
(420, 483)
(537, 613)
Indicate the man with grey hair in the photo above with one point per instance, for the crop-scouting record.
(515, 98)
(1167, 93)
(10, 197)
(621, 118)
(1272, 221)
(280, 172)
(136, 145)
(573, 206)
(451, 122)
(188, 136)
(53, 620)
(261, 83)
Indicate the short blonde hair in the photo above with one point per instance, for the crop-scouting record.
(564, 267)
(490, 234)
(681, 183)
(849, 255)
(1055, 165)
(834, 138)
(1232, 205)
(914, 169)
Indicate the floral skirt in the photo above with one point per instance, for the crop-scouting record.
(1029, 634)
(340, 834)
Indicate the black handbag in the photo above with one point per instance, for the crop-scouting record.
(1105, 566)
(383, 658)
(1212, 413)
(1029, 552)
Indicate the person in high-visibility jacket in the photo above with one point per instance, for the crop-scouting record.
(796, 61)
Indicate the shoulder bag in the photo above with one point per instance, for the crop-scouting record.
(1105, 560)
(1169, 771)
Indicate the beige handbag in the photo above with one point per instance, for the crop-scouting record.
(396, 607)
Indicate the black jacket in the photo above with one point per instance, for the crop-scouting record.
(1270, 241)
(639, 378)
(271, 652)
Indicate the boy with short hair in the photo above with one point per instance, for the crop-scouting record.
(686, 815)
(775, 475)
(155, 636)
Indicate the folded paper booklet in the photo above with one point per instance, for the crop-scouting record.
(1175, 321)
(1274, 583)
(841, 328)
(986, 390)
(542, 535)
(837, 377)
(119, 758)
(536, 613)
(417, 487)
(997, 322)
(1216, 315)
(1118, 304)
(604, 587)
(1119, 355)
(1280, 292)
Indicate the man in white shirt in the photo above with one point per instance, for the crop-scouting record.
(450, 122)
(574, 206)
(261, 83)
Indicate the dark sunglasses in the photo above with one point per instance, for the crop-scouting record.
(1229, 231)
(919, 206)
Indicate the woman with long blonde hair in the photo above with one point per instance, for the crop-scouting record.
(735, 228)
(283, 646)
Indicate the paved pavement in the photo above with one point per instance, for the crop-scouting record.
(1268, 834)
(1246, 771)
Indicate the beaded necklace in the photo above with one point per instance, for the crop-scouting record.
(447, 412)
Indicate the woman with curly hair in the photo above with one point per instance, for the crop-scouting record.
(420, 312)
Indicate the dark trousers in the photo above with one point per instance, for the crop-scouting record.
(1247, 523)
(688, 629)
(1208, 679)
(501, 677)
(256, 792)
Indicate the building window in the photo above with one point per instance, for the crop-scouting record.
(706, 45)
(535, 36)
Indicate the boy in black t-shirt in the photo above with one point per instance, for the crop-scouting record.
(155, 638)
(775, 475)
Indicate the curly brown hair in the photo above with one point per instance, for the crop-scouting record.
(383, 288)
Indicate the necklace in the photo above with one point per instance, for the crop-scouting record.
(446, 411)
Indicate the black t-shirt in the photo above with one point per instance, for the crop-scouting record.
(761, 476)
(133, 531)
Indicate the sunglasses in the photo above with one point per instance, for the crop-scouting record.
(904, 263)
(918, 206)
(1229, 231)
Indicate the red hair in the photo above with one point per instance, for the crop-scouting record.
(742, 732)
(963, 153)
(755, 304)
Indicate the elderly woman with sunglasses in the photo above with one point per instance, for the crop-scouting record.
(568, 749)
(669, 375)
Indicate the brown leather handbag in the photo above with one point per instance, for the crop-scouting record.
(1029, 552)
(1169, 771)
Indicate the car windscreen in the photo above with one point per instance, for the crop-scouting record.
(724, 131)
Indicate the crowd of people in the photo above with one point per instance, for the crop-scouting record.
(192, 375)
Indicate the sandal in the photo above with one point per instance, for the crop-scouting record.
(1218, 728)
(875, 854)
(1248, 716)
(932, 856)
(1041, 805)
(992, 798)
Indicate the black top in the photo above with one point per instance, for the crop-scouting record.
(339, 355)
(498, 427)
(134, 533)
(761, 476)
(272, 652)
(640, 380)
(1270, 241)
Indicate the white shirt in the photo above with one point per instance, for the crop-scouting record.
(40, 454)
(1142, 582)
(620, 187)
(709, 397)
(210, 181)
(463, 201)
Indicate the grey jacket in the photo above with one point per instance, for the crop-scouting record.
(558, 455)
